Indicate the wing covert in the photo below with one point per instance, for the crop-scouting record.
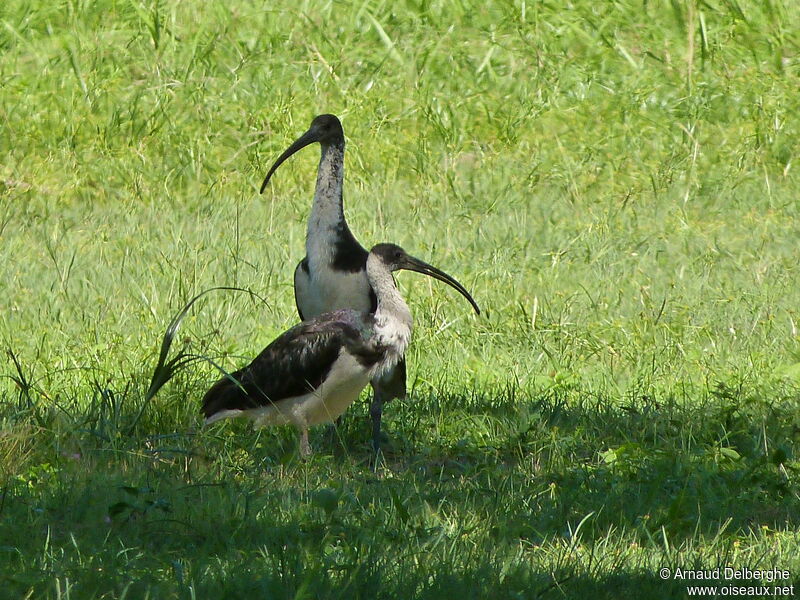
(294, 364)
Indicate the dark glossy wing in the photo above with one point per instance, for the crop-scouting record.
(301, 276)
(296, 363)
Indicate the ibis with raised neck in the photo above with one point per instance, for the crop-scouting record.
(333, 274)
(311, 373)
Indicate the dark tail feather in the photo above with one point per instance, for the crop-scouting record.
(225, 394)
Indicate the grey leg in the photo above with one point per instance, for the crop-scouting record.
(391, 385)
(375, 413)
(305, 447)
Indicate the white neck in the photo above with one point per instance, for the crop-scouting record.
(327, 212)
(392, 318)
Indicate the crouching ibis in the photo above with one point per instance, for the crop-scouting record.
(311, 373)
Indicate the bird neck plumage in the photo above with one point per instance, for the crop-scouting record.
(327, 212)
(393, 320)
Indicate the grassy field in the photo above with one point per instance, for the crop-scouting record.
(616, 183)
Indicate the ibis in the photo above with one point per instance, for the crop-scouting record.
(311, 373)
(333, 274)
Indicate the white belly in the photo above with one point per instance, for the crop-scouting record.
(324, 405)
(331, 290)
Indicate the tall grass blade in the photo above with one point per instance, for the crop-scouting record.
(165, 370)
(387, 41)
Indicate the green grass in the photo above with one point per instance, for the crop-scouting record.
(616, 183)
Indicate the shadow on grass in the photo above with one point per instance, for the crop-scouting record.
(726, 462)
(497, 494)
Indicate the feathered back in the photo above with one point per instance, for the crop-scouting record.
(296, 363)
(224, 395)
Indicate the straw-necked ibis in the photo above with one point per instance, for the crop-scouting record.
(333, 273)
(315, 370)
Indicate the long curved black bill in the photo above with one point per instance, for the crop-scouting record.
(415, 264)
(309, 137)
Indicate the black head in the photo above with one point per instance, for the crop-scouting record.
(325, 129)
(396, 259)
(392, 255)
